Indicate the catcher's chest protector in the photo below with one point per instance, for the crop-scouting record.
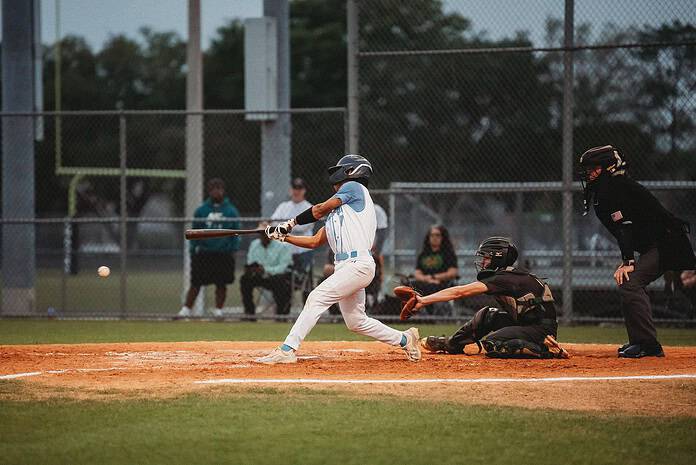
(517, 307)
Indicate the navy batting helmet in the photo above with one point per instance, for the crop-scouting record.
(350, 167)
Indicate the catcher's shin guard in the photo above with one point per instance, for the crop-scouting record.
(520, 348)
(514, 348)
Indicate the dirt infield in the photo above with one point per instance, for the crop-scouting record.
(170, 369)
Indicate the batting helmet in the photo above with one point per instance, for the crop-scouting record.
(501, 252)
(350, 167)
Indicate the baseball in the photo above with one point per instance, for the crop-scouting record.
(103, 271)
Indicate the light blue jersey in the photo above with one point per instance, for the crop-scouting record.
(351, 227)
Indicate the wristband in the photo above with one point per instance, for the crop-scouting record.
(306, 217)
(629, 262)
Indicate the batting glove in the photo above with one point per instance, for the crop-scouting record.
(273, 234)
(285, 227)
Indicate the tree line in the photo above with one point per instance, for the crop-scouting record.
(466, 117)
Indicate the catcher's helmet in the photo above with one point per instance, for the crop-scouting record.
(350, 167)
(501, 251)
(612, 162)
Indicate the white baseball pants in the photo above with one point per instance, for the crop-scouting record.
(346, 286)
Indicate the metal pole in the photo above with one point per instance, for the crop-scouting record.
(276, 135)
(346, 132)
(568, 162)
(124, 214)
(18, 245)
(194, 134)
(67, 250)
(392, 230)
(353, 27)
(519, 226)
(57, 90)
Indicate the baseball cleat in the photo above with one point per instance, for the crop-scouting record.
(434, 344)
(554, 348)
(412, 347)
(278, 356)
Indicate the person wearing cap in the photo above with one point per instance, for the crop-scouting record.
(640, 224)
(301, 257)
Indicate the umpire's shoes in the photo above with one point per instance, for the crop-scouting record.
(623, 347)
(640, 351)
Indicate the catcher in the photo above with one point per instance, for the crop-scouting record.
(524, 326)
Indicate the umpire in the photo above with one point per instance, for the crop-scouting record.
(212, 260)
(640, 224)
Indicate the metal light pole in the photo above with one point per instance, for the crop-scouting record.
(353, 29)
(18, 240)
(194, 131)
(568, 161)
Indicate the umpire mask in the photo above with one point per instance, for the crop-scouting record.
(611, 162)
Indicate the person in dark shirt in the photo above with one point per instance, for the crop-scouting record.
(212, 260)
(524, 326)
(436, 265)
(640, 224)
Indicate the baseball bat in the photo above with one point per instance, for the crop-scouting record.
(196, 234)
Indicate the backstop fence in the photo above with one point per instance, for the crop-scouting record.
(470, 124)
(480, 111)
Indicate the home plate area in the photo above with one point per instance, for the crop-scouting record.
(592, 379)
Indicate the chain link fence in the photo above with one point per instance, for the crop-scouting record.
(461, 111)
(462, 106)
(110, 190)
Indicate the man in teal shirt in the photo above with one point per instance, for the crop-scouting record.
(212, 260)
(268, 266)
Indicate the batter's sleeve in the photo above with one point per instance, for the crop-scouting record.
(351, 193)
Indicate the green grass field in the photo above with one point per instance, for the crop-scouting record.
(309, 427)
(19, 331)
(302, 426)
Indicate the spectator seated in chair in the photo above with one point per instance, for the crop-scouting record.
(436, 266)
(268, 266)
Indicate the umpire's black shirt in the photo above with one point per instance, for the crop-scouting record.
(639, 222)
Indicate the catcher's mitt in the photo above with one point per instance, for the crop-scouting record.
(408, 300)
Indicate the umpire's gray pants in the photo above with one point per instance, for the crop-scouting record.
(635, 303)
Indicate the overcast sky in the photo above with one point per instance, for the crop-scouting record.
(96, 20)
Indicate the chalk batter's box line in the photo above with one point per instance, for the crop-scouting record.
(442, 380)
(58, 372)
(393, 381)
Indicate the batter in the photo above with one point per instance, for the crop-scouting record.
(350, 232)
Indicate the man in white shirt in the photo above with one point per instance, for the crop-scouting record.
(301, 257)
